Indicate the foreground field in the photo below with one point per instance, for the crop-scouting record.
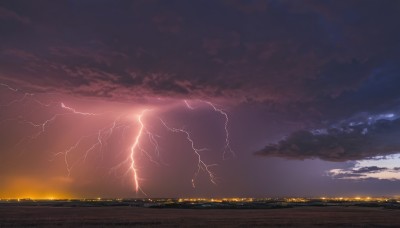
(131, 216)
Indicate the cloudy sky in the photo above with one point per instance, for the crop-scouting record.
(199, 98)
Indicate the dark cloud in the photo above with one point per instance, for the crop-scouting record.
(360, 172)
(312, 62)
(266, 51)
(350, 142)
(370, 169)
(348, 175)
(286, 65)
(7, 14)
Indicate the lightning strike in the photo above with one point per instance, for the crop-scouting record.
(24, 97)
(227, 140)
(9, 87)
(227, 147)
(102, 135)
(66, 153)
(77, 112)
(18, 100)
(53, 118)
(105, 132)
(42, 125)
(133, 149)
(201, 165)
(188, 105)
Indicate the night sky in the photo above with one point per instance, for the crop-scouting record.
(276, 98)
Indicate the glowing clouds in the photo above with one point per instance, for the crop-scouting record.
(90, 139)
(382, 168)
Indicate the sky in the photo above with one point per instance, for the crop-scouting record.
(210, 98)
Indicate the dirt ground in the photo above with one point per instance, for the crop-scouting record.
(27, 216)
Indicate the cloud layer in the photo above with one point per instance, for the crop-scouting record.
(351, 142)
(274, 51)
(381, 168)
(312, 62)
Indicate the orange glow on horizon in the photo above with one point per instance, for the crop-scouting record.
(37, 196)
(32, 188)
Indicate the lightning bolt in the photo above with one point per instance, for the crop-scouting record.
(66, 153)
(53, 118)
(42, 125)
(227, 146)
(136, 147)
(99, 138)
(201, 165)
(18, 100)
(188, 105)
(103, 133)
(24, 97)
(9, 87)
(77, 112)
(133, 150)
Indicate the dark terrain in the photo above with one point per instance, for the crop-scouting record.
(308, 216)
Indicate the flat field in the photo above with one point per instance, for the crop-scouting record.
(334, 216)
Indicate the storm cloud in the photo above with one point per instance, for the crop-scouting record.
(304, 61)
(323, 73)
(351, 142)
(360, 172)
(265, 51)
(370, 169)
